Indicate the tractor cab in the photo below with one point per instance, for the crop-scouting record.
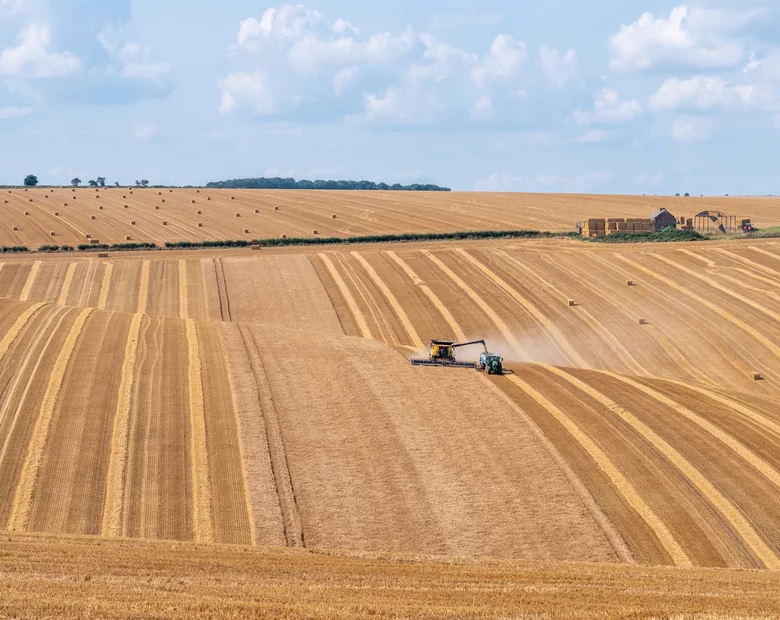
(491, 363)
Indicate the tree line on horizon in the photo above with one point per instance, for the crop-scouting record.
(290, 183)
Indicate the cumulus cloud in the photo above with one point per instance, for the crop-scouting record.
(698, 37)
(559, 68)
(33, 57)
(294, 58)
(692, 129)
(129, 59)
(10, 7)
(704, 93)
(8, 113)
(608, 109)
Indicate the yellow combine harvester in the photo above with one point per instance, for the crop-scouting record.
(442, 353)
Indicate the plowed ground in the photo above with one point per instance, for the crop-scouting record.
(173, 215)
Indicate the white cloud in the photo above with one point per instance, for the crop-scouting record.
(704, 93)
(559, 68)
(10, 7)
(344, 77)
(13, 113)
(131, 60)
(32, 58)
(688, 37)
(593, 136)
(294, 57)
(608, 109)
(692, 129)
(142, 133)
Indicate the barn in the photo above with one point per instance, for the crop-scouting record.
(663, 219)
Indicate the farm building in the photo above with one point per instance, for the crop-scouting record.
(663, 219)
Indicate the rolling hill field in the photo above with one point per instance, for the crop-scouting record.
(265, 399)
(111, 215)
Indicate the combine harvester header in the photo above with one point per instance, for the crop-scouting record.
(442, 353)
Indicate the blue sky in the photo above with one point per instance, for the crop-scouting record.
(604, 96)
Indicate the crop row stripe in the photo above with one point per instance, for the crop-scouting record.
(143, 289)
(62, 300)
(765, 253)
(748, 455)
(605, 464)
(392, 300)
(543, 321)
(183, 309)
(20, 508)
(115, 479)
(105, 286)
(201, 485)
(613, 342)
(474, 296)
(347, 295)
(13, 332)
(724, 289)
(731, 513)
(443, 310)
(706, 303)
(746, 261)
(30, 282)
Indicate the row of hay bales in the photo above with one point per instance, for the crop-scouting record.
(598, 227)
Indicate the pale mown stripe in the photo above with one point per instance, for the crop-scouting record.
(20, 508)
(443, 310)
(392, 300)
(749, 329)
(605, 464)
(117, 463)
(738, 447)
(347, 295)
(201, 484)
(62, 300)
(143, 288)
(30, 283)
(729, 511)
(542, 320)
(105, 286)
(183, 301)
(13, 332)
(484, 306)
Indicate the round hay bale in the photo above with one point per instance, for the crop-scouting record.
(132, 222)
(231, 198)
(16, 228)
(163, 199)
(57, 213)
(257, 210)
(197, 191)
(127, 207)
(94, 217)
(315, 232)
(170, 191)
(238, 215)
(246, 231)
(208, 198)
(157, 207)
(193, 202)
(276, 208)
(100, 207)
(283, 236)
(31, 199)
(333, 216)
(200, 212)
(125, 197)
(128, 238)
(27, 213)
(165, 223)
(200, 224)
(52, 234)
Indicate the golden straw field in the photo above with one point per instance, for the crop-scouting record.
(229, 432)
(111, 214)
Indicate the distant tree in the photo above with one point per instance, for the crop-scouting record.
(687, 195)
(320, 184)
(101, 181)
(116, 183)
(75, 182)
(144, 183)
(138, 183)
(92, 183)
(30, 180)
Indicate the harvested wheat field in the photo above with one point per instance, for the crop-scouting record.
(60, 216)
(265, 399)
(76, 578)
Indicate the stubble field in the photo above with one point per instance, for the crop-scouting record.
(112, 214)
(266, 399)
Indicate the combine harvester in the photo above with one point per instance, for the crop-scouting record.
(442, 353)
